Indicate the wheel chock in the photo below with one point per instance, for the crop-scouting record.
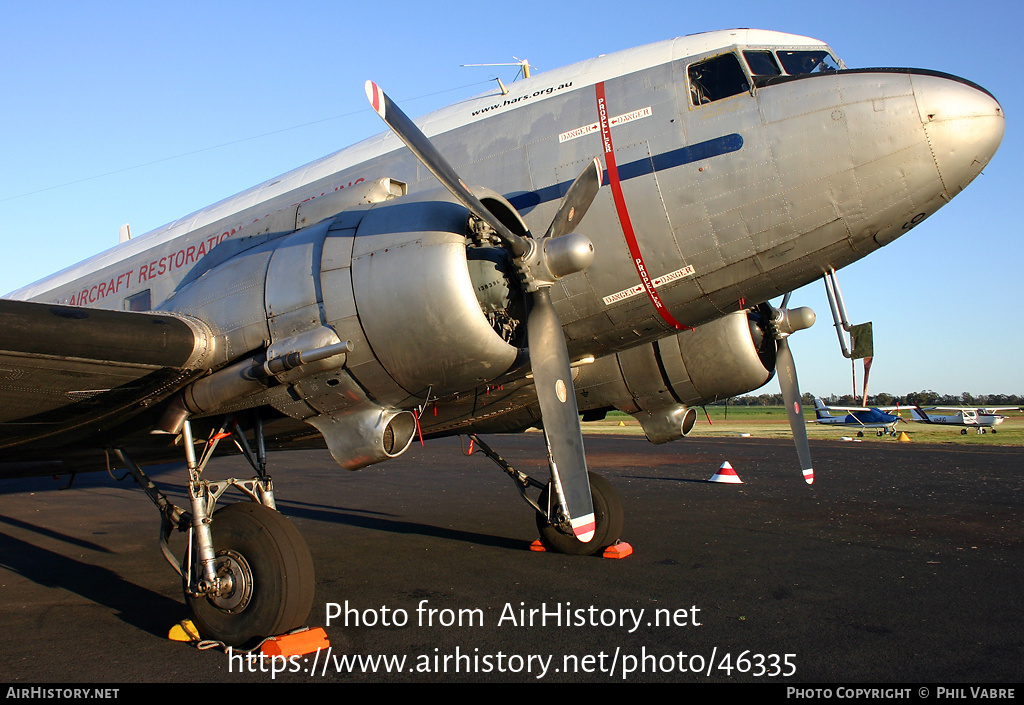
(184, 630)
(619, 549)
(296, 644)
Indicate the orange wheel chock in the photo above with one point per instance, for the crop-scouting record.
(296, 644)
(619, 549)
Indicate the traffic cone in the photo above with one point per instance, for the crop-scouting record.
(726, 474)
(904, 438)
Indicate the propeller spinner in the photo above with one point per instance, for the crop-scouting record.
(540, 263)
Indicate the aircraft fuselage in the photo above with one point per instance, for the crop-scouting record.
(722, 189)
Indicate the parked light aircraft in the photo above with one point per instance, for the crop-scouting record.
(863, 417)
(981, 419)
(335, 304)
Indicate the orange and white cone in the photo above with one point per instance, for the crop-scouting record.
(726, 474)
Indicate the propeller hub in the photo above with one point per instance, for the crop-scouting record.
(568, 254)
(787, 321)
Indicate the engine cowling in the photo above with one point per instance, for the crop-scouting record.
(659, 383)
(434, 318)
(430, 306)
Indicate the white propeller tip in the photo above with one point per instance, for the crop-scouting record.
(584, 527)
(375, 96)
(809, 476)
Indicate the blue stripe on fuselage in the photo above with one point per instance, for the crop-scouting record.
(677, 157)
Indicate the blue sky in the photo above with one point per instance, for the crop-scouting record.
(128, 112)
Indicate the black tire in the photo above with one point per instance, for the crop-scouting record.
(273, 571)
(608, 517)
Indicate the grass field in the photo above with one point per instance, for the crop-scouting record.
(771, 422)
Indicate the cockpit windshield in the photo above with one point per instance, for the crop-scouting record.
(796, 62)
(762, 63)
(723, 76)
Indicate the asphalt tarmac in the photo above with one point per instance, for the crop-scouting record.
(901, 564)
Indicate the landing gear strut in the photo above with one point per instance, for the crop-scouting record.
(552, 523)
(246, 572)
(264, 573)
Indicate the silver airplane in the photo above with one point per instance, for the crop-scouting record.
(440, 279)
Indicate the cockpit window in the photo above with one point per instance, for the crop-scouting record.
(761, 63)
(716, 78)
(796, 62)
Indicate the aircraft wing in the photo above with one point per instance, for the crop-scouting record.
(65, 369)
(980, 410)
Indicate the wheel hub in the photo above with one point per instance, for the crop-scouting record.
(234, 583)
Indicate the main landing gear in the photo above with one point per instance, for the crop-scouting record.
(246, 571)
(555, 533)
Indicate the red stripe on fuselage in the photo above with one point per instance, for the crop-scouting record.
(623, 212)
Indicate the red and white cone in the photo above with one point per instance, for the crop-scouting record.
(726, 474)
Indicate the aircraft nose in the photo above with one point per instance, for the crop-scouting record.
(964, 124)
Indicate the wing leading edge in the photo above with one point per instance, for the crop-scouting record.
(65, 369)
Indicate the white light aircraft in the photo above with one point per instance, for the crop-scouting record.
(983, 420)
(446, 265)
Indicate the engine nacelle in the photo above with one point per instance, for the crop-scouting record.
(659, 382)
(416, 297)
(431, 306)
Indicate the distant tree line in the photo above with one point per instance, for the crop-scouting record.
(923, 398)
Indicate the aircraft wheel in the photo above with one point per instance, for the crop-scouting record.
(860, 434)
(608, 516)
(270, 571)
(963, 431)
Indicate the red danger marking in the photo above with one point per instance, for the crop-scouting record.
(623, 212)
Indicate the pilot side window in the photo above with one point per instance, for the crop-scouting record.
(762, 63)
(716, 79)
(138, 302)
(796, 62)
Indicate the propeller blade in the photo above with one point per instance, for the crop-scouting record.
(548, 353)
(421, 146)
(786, 369)
(577, 200)
(552, 377)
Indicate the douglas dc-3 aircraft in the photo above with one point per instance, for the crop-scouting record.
(359, 303)
(876, 417)
(982, 420)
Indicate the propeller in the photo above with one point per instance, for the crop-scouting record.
(783, 323)
(540, 263)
